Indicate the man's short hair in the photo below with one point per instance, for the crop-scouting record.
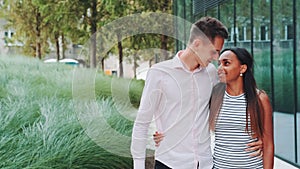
(208, 26)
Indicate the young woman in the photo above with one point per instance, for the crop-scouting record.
(240, 114)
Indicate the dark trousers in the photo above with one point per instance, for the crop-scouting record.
(160, 165)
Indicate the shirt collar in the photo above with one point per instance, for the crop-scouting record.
(177, 63)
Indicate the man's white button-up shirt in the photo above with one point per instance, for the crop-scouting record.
(177, 99)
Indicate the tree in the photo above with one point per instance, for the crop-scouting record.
(63, 20)
(164, 6)
(26, 18)
(140, 41)
(92, 13)
(118, 9)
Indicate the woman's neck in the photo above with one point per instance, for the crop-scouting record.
(235, 89)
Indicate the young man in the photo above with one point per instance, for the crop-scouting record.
(176, 94)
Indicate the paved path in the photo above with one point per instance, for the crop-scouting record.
(279, 164)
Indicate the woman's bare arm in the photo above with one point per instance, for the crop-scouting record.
(268, 138)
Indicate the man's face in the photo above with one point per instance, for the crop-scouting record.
(207, 51)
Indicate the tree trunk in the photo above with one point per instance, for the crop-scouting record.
(120, 49)
(101, 56)
(102, 63)
(164, 47)
(164, 38)
(135, 65)
(93, 33)
(38, 35)
(56, 36)
(93, 61)
(63, 45)
(38, 51)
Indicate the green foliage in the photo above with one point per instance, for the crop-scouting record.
(37, 23)
(105, 85)
(25, 17)
(39, 124)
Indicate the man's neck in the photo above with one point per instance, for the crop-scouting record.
(188, 60)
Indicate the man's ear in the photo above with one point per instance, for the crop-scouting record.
(243, 68)
(197, 42)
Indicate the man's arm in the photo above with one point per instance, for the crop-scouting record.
(148, 105)
(257, 147)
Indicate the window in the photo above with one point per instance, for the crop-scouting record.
(289, 32)
(264, 33)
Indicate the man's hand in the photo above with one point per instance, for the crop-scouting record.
(257, 147)
(157, 137)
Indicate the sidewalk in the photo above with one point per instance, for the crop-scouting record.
(279, 164)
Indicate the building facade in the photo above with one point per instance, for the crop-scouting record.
(7, 44)
(270, 29)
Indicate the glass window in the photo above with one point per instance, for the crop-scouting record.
(281, 89)
(261, 51)
(213, 12)
(298, 123)
(243, 24)
(226, 16)
(298, 79)
(182, 10)
(283, 82)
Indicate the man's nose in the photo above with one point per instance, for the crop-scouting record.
(220, 67)
(215, 56)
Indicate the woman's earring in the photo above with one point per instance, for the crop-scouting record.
(241, 74)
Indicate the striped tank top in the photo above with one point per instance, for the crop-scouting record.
(231, 136)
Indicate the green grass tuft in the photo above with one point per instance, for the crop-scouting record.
(39, 123)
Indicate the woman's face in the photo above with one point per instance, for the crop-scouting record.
(230, 68)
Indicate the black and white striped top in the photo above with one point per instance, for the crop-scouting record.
(231, 136)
